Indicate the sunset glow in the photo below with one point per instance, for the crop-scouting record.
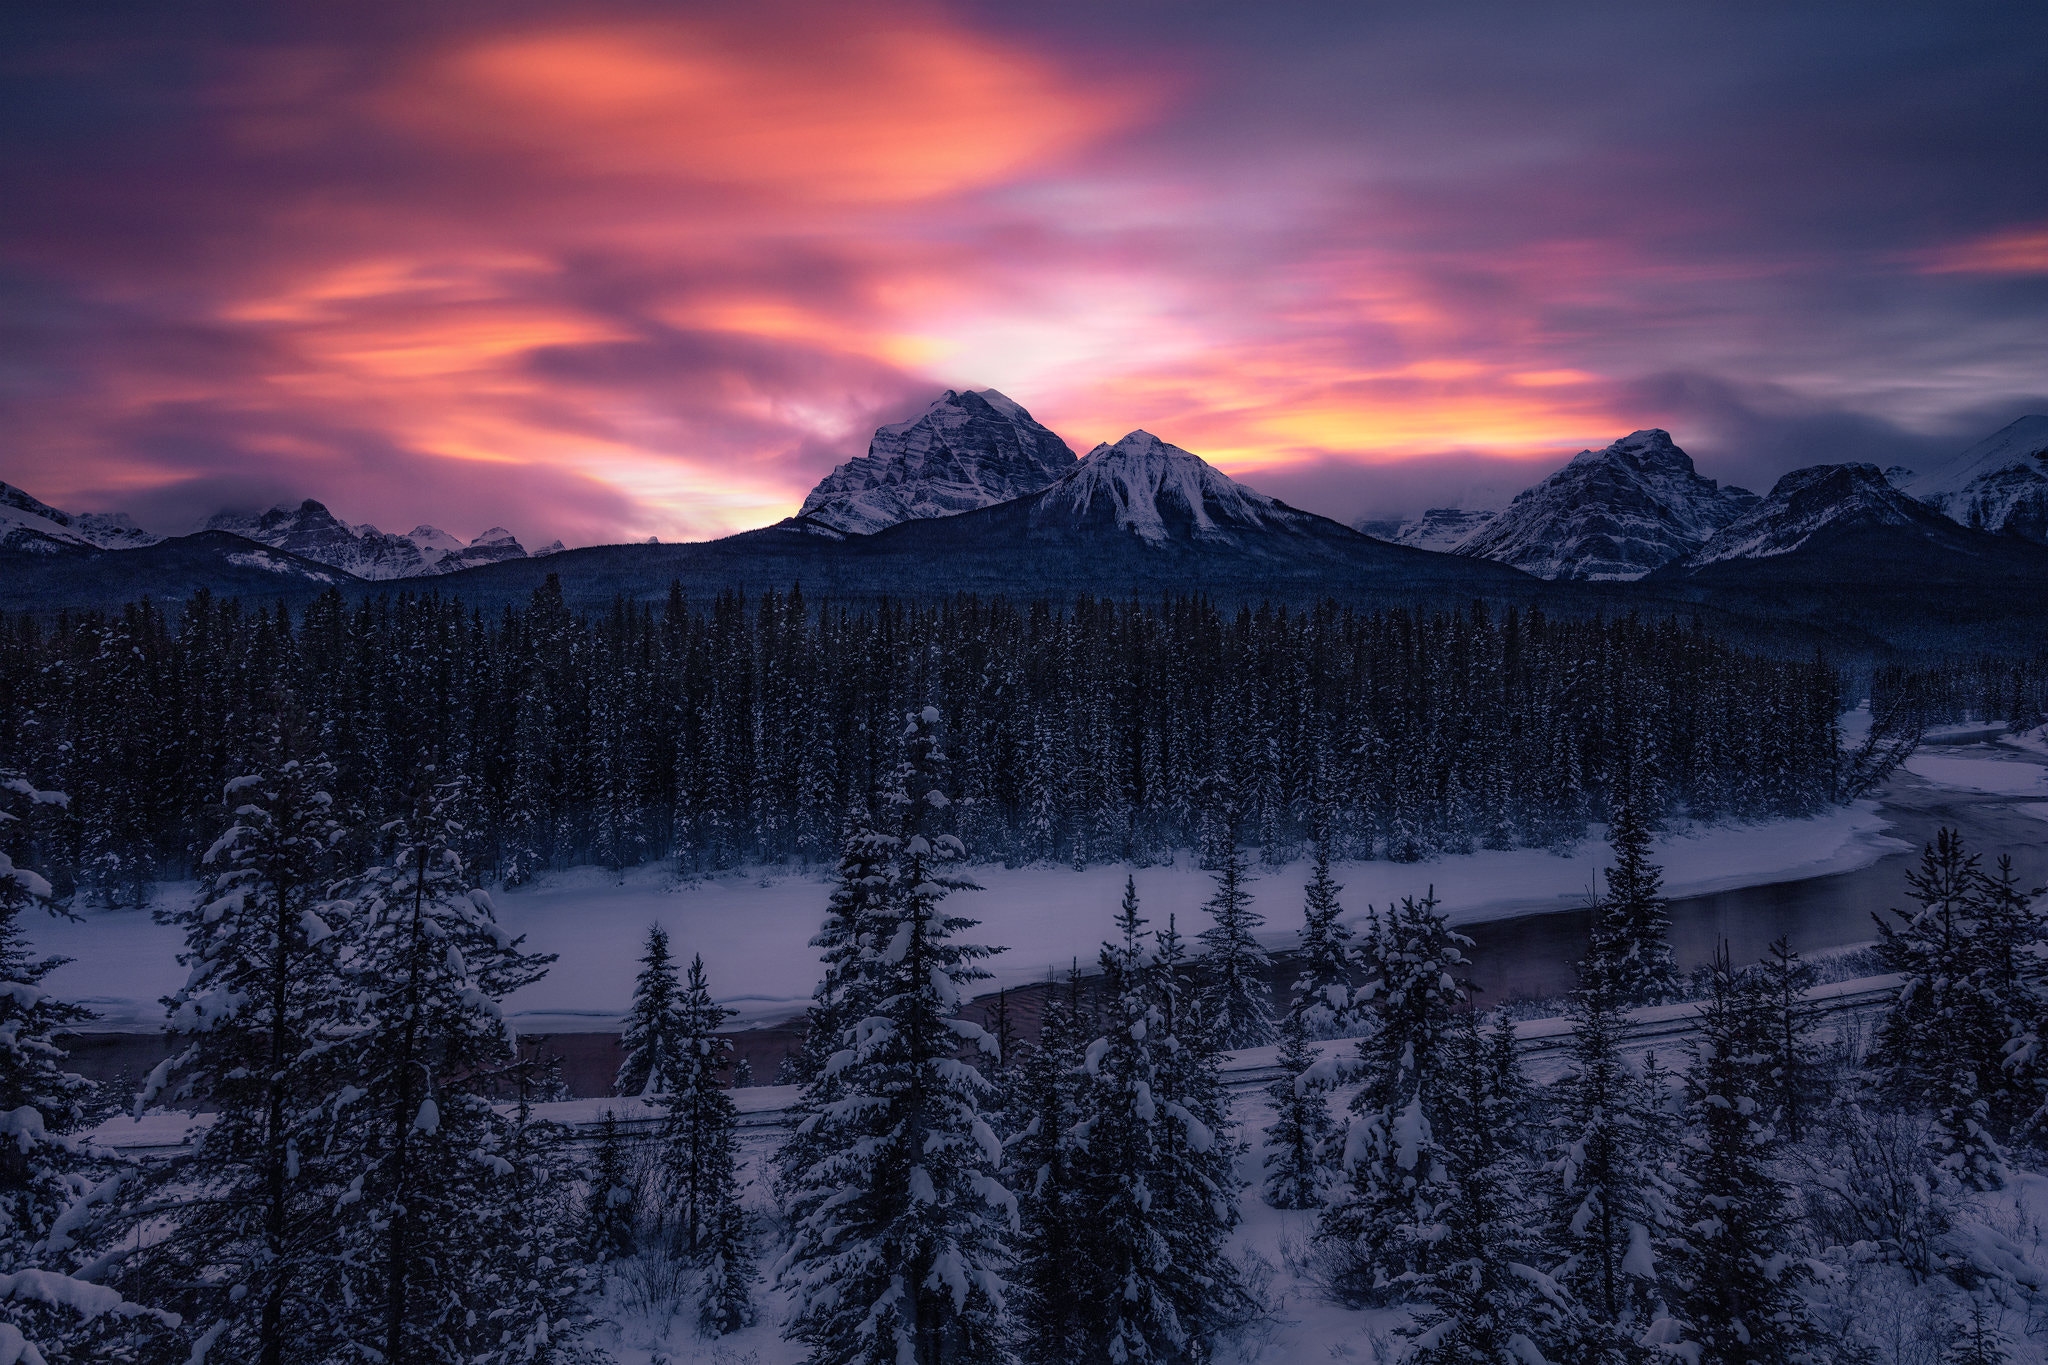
(603, 272)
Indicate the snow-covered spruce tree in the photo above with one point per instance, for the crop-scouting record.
(1322, 992)
(1630, 953)
(1606, 1201)
(1943, 1043)
(1039, 1165)
(1790, 1054)
(651, 1034)
(699, 1170)
(863, 852)
(265, 1016)
(1478, 1299)
(611, 1208)
(1736, 1284)
(50, 1184)
(1237, 1004)
(423, 1152)
(901, 1226)
(1153, 1198)
(1978, 1340)
(1392, 1157)
(1303, 1137)
(525, 1276)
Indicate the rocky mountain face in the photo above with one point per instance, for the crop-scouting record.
(968, 450)
(1442, 529)
(1612, 514)
(1806, 503)
(31, 526)
(2000, 484)
(312, 532)
(1159, 493)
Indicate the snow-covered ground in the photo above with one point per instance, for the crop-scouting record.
(754, 930)
(1999, 775)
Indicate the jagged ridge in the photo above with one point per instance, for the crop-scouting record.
(966, 451)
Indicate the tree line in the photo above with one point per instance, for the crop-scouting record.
(732, 732)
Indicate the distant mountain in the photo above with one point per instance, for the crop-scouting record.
(1837, 546)
(967, 451)
(1612, 514)
(1442, 529)
(1812, 502)
(2000, 484)
(29, 525)
(312, 532)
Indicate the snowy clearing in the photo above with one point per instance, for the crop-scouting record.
(754, 930)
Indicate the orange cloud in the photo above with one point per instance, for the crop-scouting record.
(2023, 251)
(829, 110)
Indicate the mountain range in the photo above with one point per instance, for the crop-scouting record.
(975, 495)
(311, 531)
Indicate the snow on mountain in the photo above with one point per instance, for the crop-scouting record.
(967, 450)
(1999, 484)
(1610, 514)
(1442, 529)
(1806, 502)
(30, 525)
(311, 531)
(1160, 492)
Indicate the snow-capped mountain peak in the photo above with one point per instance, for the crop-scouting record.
(30, 525)
(1806, 502)
(1442, 529)
(967, 450)
(1615, 513)
(1999, 484)
(1155, 490)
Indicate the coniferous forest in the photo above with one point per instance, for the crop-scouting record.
(733, 731)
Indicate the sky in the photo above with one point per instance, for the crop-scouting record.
(599, 272)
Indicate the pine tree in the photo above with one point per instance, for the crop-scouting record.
(521, 1267)
(835, 1003)
(266, 1017)
(1393, 1159)
(1040, 1164)
(612, 1212)
(1238, 1003)
(49, 1182)
(1944, 1040)
(430, 967)
(1153, 1198)
(900, 1224)
(651, 1035)
(1792, 1060)
(1607, 1201)
(697, 1158)
(1302, 1139)
(1322, 992)
(1631, 950)
(1978, 1341)
(1737, 1293)
(1478, 1299)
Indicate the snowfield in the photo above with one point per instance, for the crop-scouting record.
(2001, 776)
(754, 930)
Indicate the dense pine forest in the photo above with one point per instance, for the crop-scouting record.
(739, 731)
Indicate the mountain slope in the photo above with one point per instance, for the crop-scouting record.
(1612, 514)
(1442, 529)
(168, 571)
(29, 525)
(966, 451)
(2000, 484)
